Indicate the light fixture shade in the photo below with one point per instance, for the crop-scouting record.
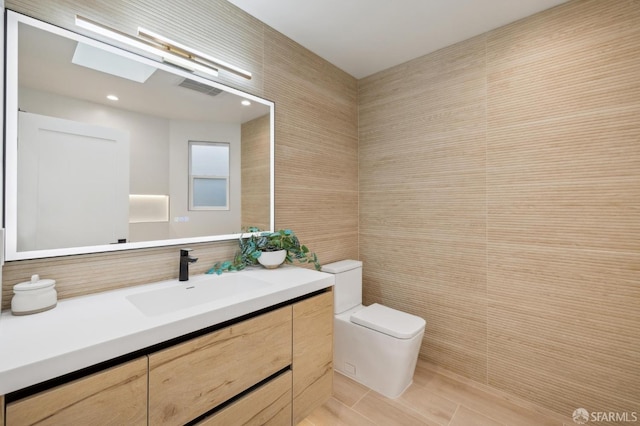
(191, 53)
(165, 54)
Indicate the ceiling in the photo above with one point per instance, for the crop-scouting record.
(363, 37)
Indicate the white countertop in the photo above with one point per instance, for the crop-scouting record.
(87, 330)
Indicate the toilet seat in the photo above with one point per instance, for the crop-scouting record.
(389, 321)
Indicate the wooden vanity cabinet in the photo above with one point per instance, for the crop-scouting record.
(191, 378)
(271, 369)
(312, 354)
(115, 396)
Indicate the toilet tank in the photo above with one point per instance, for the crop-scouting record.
(348, 284)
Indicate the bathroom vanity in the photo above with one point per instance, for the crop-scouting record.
(258, 355)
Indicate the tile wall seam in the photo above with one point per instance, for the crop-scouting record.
(549, 247)
(358, 166)
(486, 204)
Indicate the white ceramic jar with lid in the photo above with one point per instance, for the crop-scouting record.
(34, 296)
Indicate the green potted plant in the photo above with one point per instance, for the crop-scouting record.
(260, 244)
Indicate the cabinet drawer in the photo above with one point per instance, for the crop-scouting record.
(116, 396)
(189, 379)
(270, 404)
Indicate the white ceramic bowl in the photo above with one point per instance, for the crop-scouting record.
(272, 259)
(34, 296)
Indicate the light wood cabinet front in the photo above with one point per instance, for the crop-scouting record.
(116, 396)
(268, 405)
(189, 379)
(312, 354)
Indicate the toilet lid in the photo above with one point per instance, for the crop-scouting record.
(389, 321)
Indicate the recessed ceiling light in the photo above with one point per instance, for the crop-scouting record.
(245, 102)
(112, 97)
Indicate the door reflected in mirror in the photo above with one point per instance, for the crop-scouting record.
(98, 149)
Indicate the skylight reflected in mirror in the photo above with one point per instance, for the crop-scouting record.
(110, 63)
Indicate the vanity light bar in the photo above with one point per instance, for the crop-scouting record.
(146, 46)
(192, 54)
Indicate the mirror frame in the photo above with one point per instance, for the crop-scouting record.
(13, 19)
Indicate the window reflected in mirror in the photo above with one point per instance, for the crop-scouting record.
(209, 175)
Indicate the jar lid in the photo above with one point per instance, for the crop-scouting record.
(35, 284)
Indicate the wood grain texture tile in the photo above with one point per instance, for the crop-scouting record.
(422, 183)
(314, 94)
(384, 411)
(480, 398)
(255, 173)
(442, 397)
(465, 416)
(429, 404)
(563, 181)
(92, 273)
(575, 58)
(509, 165)
(515, 410)
(346, 390)
(334, 413)
(316, 149)
(571, 183)
(579, 330)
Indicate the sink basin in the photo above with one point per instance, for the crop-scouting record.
(195, 292)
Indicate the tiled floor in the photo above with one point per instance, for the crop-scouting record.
(436, 397)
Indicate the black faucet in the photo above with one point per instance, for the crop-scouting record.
(185, 260)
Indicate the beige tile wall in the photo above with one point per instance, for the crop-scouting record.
(500, 200)
(423, 198)
(316, 133)
(317, 147)
(255, 169)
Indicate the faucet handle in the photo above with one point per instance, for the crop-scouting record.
(185, 251)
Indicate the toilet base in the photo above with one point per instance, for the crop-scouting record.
(381, 362)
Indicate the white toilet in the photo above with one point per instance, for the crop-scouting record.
(374, 345)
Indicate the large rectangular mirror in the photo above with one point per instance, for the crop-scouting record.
(110, 150)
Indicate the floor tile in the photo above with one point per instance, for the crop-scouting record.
(486, 403)
(429, 404)
(346, 390)
(335, 413)
(437, 397)
(387, 412)
(467, 417)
